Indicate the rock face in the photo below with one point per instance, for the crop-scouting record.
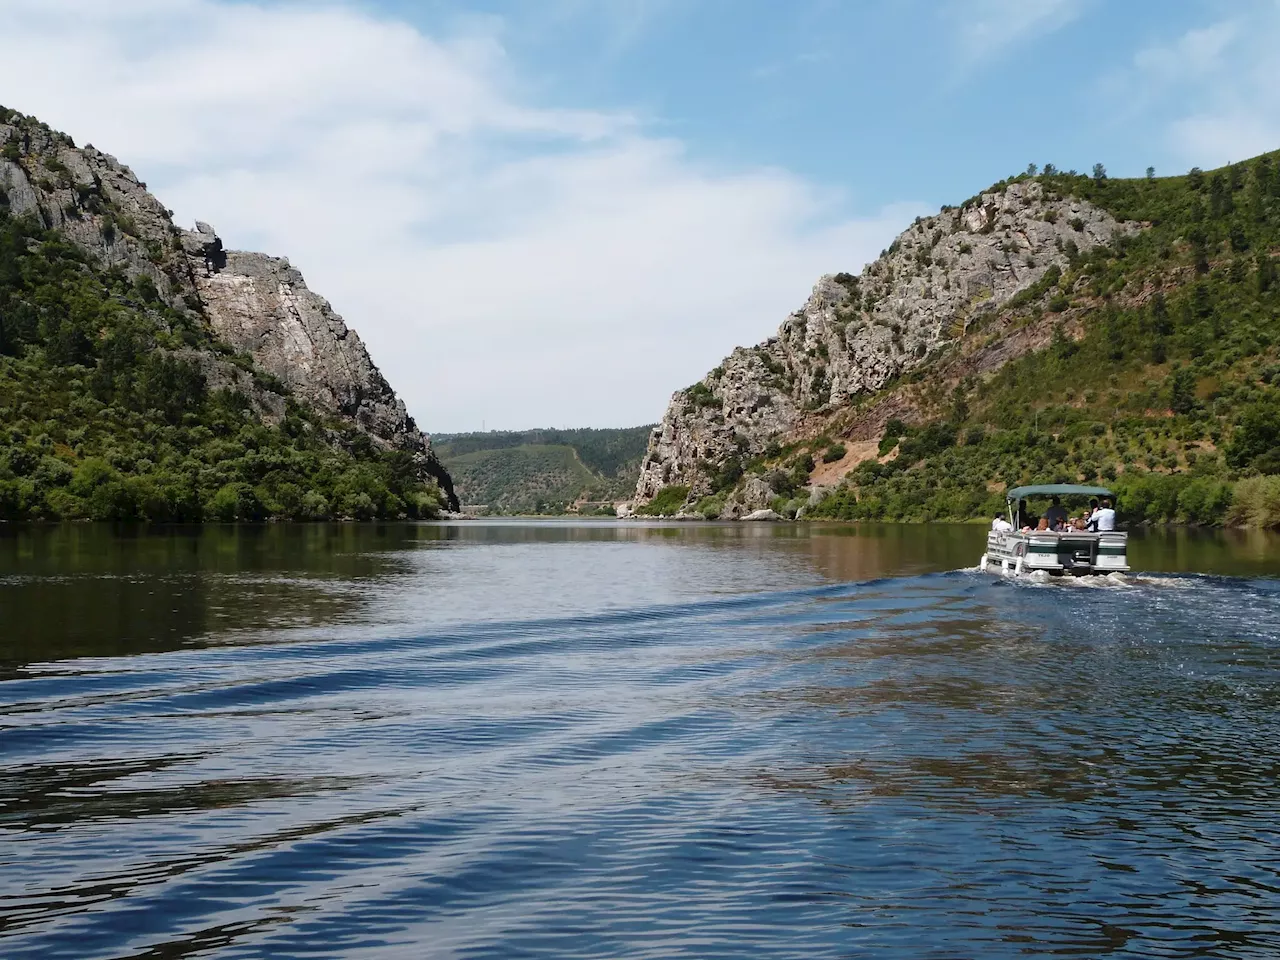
(855, 334)
(261, 305)
(254, 303)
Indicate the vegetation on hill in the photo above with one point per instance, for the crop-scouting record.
(1151, 364)
(1162, 377)
(543, 471)
(105, 412)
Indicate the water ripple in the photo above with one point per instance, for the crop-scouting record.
(943, 765)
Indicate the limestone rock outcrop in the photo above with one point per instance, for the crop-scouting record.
(262, 306)
(855, 334)
(254, 303)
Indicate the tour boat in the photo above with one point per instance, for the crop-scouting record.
(1020, 551)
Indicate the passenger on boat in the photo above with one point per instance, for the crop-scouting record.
(1001, 525)
(1043, 524)
(1028, 519)
(1056, 514)
(1079, 525)
(1105, 519)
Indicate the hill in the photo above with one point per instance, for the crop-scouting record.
(1057, 327)
(147, 373)
(543, 471)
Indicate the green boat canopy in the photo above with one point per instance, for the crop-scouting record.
(1057, 490)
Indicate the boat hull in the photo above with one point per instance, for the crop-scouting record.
(1057, 554)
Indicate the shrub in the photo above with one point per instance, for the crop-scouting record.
(1256, 503)
(710, 507)
(666, 502)
(1256, 438)
(700, 396)
(834, 452)
(1204, 501)
(235, 501)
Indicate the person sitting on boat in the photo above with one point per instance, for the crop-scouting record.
(1056, 514)
(1043, 525)
(1079, 525)
(1028, 519)
(1001, 525)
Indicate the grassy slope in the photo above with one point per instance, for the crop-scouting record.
(531, 478)
(543, 471)
(103, 416)
(1161, 374)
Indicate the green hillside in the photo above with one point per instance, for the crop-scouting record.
(105, 413)
(1161, 375)
(542, 471)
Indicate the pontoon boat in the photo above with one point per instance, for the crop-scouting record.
(1021, 550)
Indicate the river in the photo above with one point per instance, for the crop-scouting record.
(557, 739)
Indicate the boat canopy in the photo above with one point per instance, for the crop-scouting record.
(1056, 489)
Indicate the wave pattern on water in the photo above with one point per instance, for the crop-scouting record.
(946, 765)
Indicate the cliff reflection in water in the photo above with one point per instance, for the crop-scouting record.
(103, 590)
(620, 739)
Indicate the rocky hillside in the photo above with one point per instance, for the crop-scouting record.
(239, 323)
(855, 334)
(935, 333)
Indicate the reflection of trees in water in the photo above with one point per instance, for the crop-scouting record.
(840, 552)
(101, 590)
(1182, 549)
(46, 795)
(870, 551)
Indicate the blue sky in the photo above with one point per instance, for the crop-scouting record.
(558, 212)
(916, 99)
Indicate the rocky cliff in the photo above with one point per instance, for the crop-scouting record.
(257, 305)
(856, 334)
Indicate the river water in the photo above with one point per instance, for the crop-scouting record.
(621, 740)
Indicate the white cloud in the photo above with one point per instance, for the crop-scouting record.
(1193, 55)
(987, 27)
(1218, 87)
(505, 261)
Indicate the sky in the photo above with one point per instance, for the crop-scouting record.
(558, 212)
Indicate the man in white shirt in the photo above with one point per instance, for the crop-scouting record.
(1001, 525)
(1104, 518)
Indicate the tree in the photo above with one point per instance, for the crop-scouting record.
(1151, 173)
(1182, 391)
(1099, 172)
(960, 404)
(1063, 347)
(1256, 434)
(1266, 272)
(1050, 170)
(1161, 325)
(1031, 170)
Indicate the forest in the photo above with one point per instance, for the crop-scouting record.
(1169, 391)
(107, 412)
(544, 471)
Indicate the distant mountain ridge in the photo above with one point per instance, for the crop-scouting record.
(544, 471)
